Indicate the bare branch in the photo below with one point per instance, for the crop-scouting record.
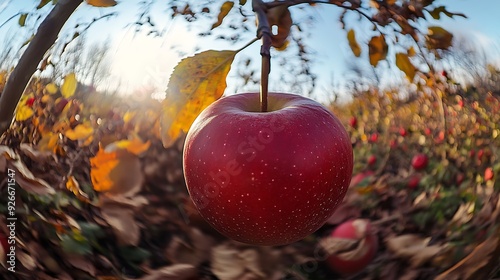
(45, 37)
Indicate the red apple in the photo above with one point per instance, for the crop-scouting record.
(358, 178)
(488, 174)
(419, 161)
(402, 132)
(372, 160)
(413, 182)
(353, 121)
(373, 137)
(361, 247)
(267, 178)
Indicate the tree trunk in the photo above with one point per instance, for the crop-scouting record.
(45, 37)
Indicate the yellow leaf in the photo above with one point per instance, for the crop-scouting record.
(24, 112)
(80, 132)
(69, 86)
(195, 83)
(405, 65)
(73, 186)
(129, 115)
(51, 88)
(411, 52)
(22, 19)
(224, 10)
(101, 166)
(117, 172)
(438, 38)
(351, 37)
(101, 3)
(135, 146)
(377, 48)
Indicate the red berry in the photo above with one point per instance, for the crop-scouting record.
(419, 161)
(348, 261)
(461, 103)
(427, 131)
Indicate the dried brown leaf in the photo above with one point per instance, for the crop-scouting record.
(229, 263)
(194, 252)
(173, 272)
(414, 248)
(23, 176)
(81, 262)
(121, 219)
(480, 257)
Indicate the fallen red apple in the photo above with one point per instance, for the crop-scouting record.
(372, 160)
(419, 161)
(353, 122)
(488, 174)
(267, 178)
(413, 182)
(360, 177)
(352, 246)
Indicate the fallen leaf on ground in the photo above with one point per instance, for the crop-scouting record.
(414, 248)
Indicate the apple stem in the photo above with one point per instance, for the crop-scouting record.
(264, 32)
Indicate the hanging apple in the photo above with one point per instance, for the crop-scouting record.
(267, 178)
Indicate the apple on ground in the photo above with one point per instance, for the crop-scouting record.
(267, 178)
(419, 161)
(372, 160)
(360, 177)
(351, 246)
(488, 174)
(413, 182)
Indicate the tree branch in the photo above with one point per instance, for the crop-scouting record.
(45, 37)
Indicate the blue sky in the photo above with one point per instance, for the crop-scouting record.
(138, 60)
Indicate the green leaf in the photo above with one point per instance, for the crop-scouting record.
(224, 10)
(196, 82)
(134, 254)
(22, 19)
(378, 49)
(351, 37)
(405, 65)
(72, 245)
(438, 38)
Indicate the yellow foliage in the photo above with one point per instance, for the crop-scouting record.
(51, 88)
(69, 85)
(195, 83)
(80, 132)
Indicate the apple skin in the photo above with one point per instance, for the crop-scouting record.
(349, 263)
(268, 178)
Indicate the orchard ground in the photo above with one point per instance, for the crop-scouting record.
(99, 195)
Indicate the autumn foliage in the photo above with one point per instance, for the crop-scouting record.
(100, 196)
